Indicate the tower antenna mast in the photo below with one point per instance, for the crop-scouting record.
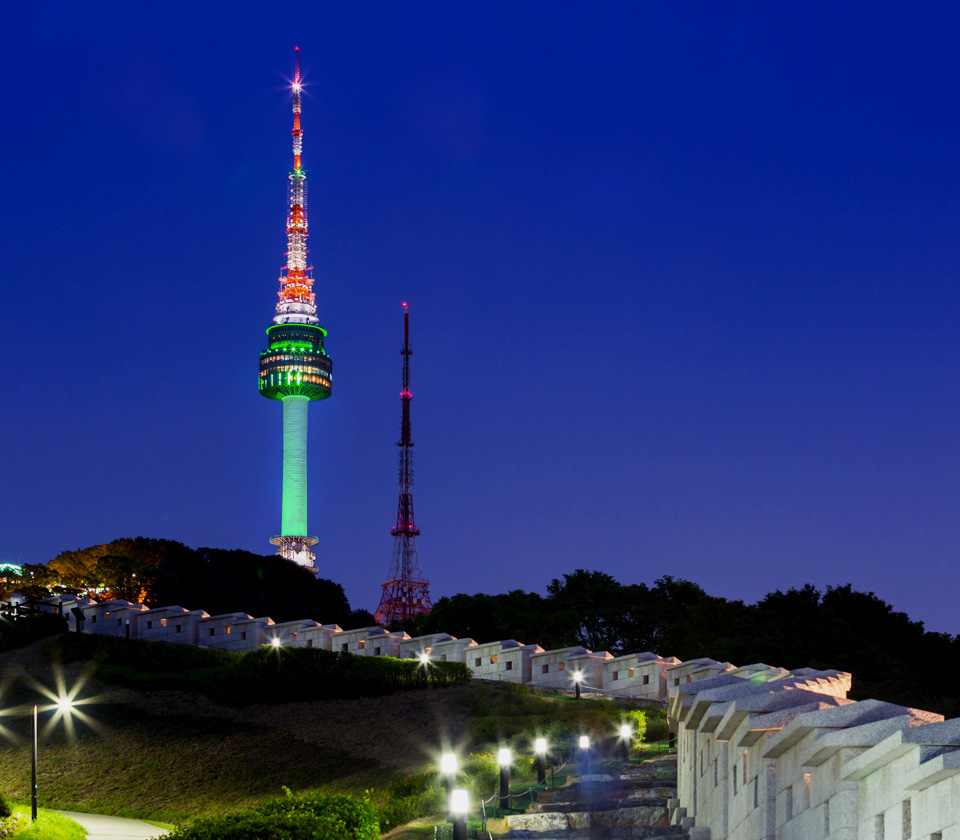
(406, 593)
(295, 369)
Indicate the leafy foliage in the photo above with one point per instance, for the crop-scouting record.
(5, 809)
(289, 817)
(162, 572)
(890, 656)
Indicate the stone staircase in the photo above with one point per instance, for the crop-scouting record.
(638, 802)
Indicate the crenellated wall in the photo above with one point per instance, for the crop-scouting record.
(641, 676)
(763, 753)
(766, 754)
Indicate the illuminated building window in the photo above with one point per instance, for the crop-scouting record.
(361, 644)
(493, 659)
(563, 666)
(163, 622)
(293, 637)
(227, 630)
(629, 673)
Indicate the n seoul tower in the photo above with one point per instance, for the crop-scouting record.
(296, 369)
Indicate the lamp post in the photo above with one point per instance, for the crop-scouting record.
(540, 748)
(448, 767)
(33, 775)
(504, 758)
(584, 755)
(577, 679)
(459, 806)
(64, 707)
(626, 735)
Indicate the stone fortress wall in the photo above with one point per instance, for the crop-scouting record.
(763, 753)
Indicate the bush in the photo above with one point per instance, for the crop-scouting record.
(291, 817)
(657, 727)
(638, 723)
(5, 809)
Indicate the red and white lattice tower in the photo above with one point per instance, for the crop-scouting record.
(406, 593)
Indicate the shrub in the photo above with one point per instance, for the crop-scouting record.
(5, 809)
(657, 728)
(291, 817)
(638, 723)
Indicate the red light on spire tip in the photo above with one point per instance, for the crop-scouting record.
(404, 304)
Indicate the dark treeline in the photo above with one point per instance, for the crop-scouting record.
(164, 572)
(891, 657)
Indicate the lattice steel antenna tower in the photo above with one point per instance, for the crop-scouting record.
(296, 369)
(406, 593)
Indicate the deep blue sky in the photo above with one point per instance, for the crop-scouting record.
(683, 284)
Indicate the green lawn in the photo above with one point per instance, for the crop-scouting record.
(49, 826)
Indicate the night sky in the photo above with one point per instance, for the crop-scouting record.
(683, 285)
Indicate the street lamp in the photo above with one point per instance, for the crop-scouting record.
(504, 758)
(540, 748)
(626, 735)
(275, 641)
(584, 755)
(459, 806)
(64, 706)
(577, 679)
(448, 767)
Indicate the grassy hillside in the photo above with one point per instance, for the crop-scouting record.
(171, 756)
(176, 755)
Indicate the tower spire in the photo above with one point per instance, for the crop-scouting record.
(297, 303)
(296, 368)
(406, 593)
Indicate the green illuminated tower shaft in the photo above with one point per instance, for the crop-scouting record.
(295, 369)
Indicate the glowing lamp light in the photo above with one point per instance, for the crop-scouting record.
(448, 764)
(578, 676)
(275, 641)
(64, 705)
(424, 658)
(584, 742)
(459, 802)
(625, 731)
(504, 757)
(540, 746)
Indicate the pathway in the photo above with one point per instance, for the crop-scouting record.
(101, 827)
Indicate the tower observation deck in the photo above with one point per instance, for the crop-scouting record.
(295, 369)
